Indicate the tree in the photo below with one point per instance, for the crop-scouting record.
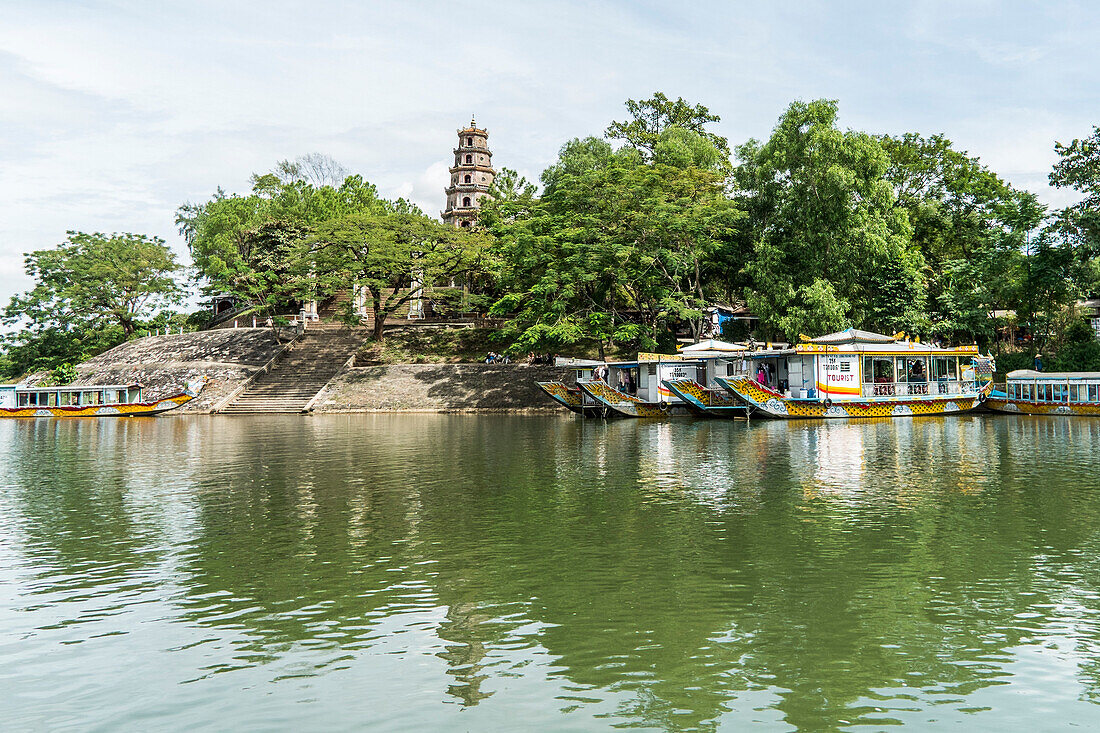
(971, 228)
(617, 250)
(1078, 168)
(651, 118)
(96, 279)
(391, 257)
(830, 248)
(298, 194)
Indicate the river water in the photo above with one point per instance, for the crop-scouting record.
(434, 572)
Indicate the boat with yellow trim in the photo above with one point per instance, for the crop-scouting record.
(639, 388)
(857, 374)
(1027, 392)
(89, 400)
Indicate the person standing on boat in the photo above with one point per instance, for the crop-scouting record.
(1038, 362)
(762, 376)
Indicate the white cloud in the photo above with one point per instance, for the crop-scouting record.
(115, 113)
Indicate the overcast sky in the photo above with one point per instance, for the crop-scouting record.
(112, 114)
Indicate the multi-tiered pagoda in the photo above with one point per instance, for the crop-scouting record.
(471, 176)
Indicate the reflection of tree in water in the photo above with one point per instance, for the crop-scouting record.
(675, 586)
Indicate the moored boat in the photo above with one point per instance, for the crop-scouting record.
(859, 374)
(706, 401)
(1027, 392)
(88, 400)
(571, 398)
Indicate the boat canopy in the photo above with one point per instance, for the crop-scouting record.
(713, 345)
(853, 336)
(1032, 375)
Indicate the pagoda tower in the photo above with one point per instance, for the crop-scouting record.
(471, 176)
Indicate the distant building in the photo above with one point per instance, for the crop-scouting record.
(471, 176)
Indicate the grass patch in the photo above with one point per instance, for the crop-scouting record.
(431, 345)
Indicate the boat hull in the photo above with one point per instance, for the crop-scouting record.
(1001, 404)
(767, 403)
(624, 405)
(132, 409)
(706, 402)
(571, 398)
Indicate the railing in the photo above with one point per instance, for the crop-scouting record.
(918, 389)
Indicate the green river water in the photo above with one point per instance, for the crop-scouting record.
(434, 572)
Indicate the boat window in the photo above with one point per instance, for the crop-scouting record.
(1059, 393)
(1048, 393)
(1092, 393)
(916, 369)
(878, 369)
(945, 368)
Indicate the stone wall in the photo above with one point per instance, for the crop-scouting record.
(164, 364)
(440, 388)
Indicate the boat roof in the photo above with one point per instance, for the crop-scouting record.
(854, 336)
(713, 345)
(75, 387)
(1029, 374)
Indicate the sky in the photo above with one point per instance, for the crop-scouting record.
(113, 114)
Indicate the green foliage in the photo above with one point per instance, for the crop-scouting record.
(63, 374)
(1080, 351)
(660, 127)
(91, 280)
(617, 250)
(90, 293)
(829, 246)
(391, 257)
(297, 195)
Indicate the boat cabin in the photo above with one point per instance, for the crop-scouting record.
(1026, 385)
(16, 396)
(858, 365)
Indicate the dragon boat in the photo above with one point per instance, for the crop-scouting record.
(87, 400)
(641, 388)
(704, 401)
(859, 374)
(1027, 392)
(571, 398)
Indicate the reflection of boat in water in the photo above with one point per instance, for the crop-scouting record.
(858, 374)
(1027, 392)
(88, 400)
(704, 401)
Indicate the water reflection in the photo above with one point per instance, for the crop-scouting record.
(675, 575)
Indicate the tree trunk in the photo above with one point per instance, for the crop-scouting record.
(379, 318)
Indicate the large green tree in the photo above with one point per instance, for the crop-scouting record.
(90, 293)
(618, 249)
(971, 228)
(829, 246)
(392, 257)
(300, 194)
(98, 279)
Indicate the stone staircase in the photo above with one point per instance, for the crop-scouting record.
(299, 375)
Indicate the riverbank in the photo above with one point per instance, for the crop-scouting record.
(440, 388)
(228, 358)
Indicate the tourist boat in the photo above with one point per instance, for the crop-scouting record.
(1028, 392)
(854, 374)
(571, 398)
(88, 400)
(654, 385)
(706, 401)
